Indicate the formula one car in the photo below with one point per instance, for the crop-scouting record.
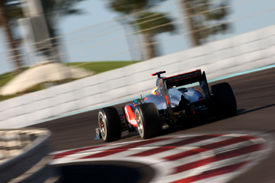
(169, 104)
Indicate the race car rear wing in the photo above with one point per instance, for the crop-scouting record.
(180, 80)
(183, 79)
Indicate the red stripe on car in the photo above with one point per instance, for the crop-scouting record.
(130, 115)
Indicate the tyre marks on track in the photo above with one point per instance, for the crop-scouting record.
(188, 158)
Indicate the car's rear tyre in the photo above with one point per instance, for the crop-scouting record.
(224, 100)
(109, 124)
(148, 120)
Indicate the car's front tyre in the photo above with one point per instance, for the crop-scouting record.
(109, 124)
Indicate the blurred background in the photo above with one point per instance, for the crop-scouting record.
(101, 35)
(62, 60)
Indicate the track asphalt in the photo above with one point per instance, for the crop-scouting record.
(255, 93)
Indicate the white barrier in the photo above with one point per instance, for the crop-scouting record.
(244, 52)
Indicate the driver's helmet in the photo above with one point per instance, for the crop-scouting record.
(157, 81)
(154, 91)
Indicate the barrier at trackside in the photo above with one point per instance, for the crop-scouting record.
(24, 156)
(244, 52)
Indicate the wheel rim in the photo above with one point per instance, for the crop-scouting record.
(139, 124)
(102, 126)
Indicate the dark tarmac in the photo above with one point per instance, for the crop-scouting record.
(255, 94)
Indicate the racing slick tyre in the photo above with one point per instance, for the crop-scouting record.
(148, 120)
(109, 124)
(224, 100)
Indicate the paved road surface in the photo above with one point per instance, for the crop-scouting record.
(255, 95)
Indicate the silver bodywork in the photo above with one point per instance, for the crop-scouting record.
(191, 95)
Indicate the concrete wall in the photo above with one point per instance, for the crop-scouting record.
(24, 156)
(244, 52)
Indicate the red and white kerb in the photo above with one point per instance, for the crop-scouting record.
(189, 158)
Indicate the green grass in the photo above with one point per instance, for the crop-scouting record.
(4, 78)
(99, 67)
(96, 67)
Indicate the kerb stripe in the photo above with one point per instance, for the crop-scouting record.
(206, 148)
(212, 173)
(124, 148)
(219, 157)
(67, 153)
(167, 147)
